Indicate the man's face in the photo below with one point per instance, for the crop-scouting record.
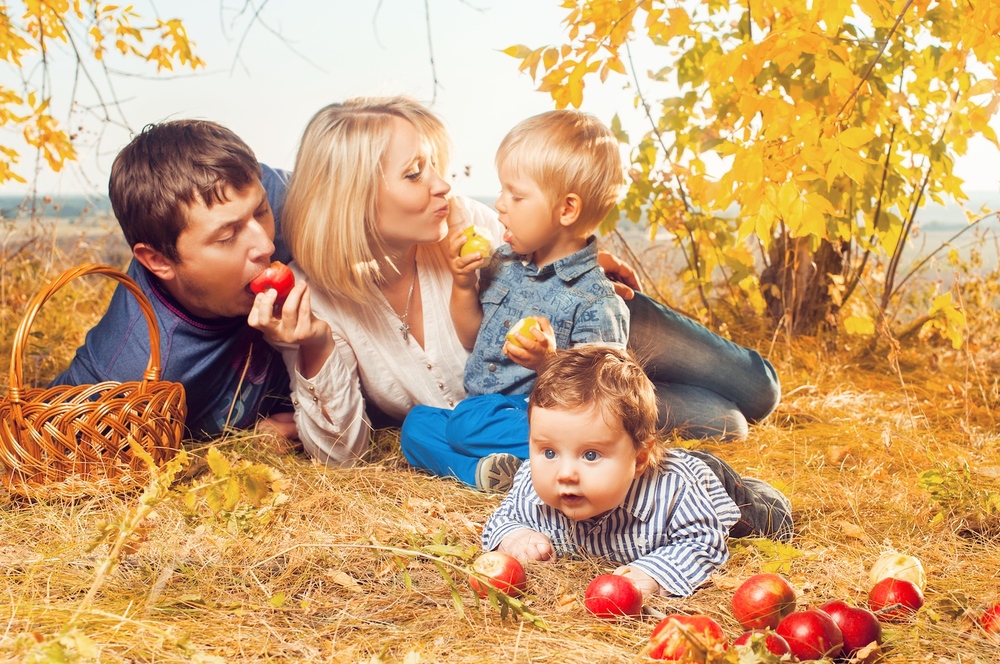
(222, 249)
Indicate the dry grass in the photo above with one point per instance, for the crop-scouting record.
(341, 567)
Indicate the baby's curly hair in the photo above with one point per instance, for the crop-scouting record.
(608, 378)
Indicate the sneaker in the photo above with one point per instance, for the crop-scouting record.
(495, 472)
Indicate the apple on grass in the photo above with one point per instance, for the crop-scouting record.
(893, 565)
(762, 601)
(477, 241)
(887, 593)
(771, 641)
(672, 637)
(502, 571)
(522, 327)
(859, 627)
(277, 276)
(611, 596)
(811, 634)
(990, 620)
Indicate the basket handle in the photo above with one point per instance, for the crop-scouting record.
(20, 338)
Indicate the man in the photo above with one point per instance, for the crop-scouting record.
(200, 214)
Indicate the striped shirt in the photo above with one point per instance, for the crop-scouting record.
(672, 525)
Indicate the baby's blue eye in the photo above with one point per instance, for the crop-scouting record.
(591, 455)
(550, 454)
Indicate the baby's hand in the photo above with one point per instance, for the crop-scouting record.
(646, 584)
(533, 346)
(527, 544)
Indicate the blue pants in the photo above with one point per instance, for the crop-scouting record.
(451, 442)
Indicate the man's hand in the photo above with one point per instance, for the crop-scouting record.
(620, 273)
(646, 584)
(537, 345)
(527, 544)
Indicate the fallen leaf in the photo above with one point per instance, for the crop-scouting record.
(852, 529)
(566, 603)
(344, 579)
(836, 454)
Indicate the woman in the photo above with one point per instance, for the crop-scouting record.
(364, 217)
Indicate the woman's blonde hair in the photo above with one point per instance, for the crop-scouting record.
(330, 214)
(605, 378)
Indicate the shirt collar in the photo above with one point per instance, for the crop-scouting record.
(568, 268)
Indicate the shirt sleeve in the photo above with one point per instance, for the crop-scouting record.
(695, 544)
(329, 408)
(604, 321)
(515, 512)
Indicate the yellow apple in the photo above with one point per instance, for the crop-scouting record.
(478, 241)
(522, 327)
(893, 565)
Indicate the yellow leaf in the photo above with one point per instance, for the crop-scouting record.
(860, 325)
(855, 137)
(219, 465)
(519, 51)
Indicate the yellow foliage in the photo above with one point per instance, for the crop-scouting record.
(24, 45)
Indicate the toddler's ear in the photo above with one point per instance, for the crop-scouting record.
(570, 208)
(643, 455)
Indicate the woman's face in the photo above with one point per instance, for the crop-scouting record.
(412, 208)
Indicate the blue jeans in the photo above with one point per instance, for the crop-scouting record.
(451, 442)
(707, 386)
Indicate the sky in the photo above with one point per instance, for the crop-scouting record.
(266, 82)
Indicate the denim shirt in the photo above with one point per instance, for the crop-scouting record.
(572, 293)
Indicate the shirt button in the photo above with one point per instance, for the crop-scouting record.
(506, 323)
(312, 388)
(492, 367)
(429, 366)
(440, 386)
(451, 403)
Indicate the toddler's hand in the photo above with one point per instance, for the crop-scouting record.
(538, 344)
(526, 544)
(463, 268)
(646, 584)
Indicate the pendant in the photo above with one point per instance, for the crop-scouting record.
(405, 329)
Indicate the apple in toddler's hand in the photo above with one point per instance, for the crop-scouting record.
(774, 643)
(477, 241)
(892, 565)
(277, 276)
(859, 627)
(671, 643)
(811, 634)
(762, 601)
(888, 592)
(611, 596)
(522, 327)
(501, 570)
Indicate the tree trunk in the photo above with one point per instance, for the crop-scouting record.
(796, 284)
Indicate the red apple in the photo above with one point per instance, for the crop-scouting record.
(762, 601)
(893, 565)
(895, 591)
(811, 634)
(990, 620)
(279, 277)
(502, 571)
(774, 643)
(670, 636)
(612, 595)
(859, 626)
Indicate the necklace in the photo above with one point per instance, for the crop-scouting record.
(405, 327)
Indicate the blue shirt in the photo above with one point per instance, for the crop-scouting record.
(672, 525)
(572, 293)
(206, 356)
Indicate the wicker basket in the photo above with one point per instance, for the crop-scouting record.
(71, 441)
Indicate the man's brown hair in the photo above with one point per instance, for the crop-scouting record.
(606, 378)
(167, 168)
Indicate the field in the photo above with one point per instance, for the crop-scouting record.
(248, 552)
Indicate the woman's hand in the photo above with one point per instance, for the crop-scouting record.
(621, 274)
(296, 325)
(527, 544)
(646, 584)
(535, 346)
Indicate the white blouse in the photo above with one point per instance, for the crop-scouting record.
(371, 360)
